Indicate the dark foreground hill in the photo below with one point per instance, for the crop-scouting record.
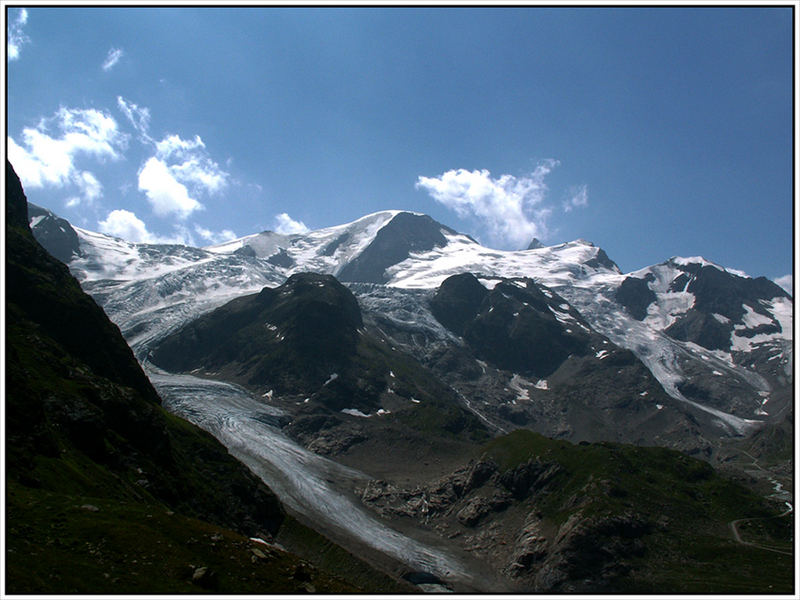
(106, 491)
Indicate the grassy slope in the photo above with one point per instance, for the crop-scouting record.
(690, 548)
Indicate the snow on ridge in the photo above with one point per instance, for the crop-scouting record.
(699, 260)
(550, 265)
(108, 257)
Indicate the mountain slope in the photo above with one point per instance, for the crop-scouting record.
(98, 474)
(598, 518)
(303, 345)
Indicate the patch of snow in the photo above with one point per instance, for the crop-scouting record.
(643, 394)
(659, 406)
(414, 400)
(354, 412)
(267, 395)
(489, 284)
(383, 411)
(541, 384)
(602, 354)
(752, 319)
(721, 318)
(333, 377)
(516, 384)
(36, 220)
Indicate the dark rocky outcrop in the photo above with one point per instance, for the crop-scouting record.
(635, 295)
(55, 234)
(281, 259)
(702, 329)
(601, 259)
(513, 326)
(458, 299)
(726, 295)
(405, 233)
(292, 337)
(535, 244)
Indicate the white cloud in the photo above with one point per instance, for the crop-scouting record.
(215, 237)
(285, 225)
(138, 116)
(48, 151)
(91, 188)
(510, 208)
(786, 282)
(179, 172)
(578, 197)
(201, 172)
(16, 37)
(166, 194)
(174, 145)
(114, 54)
(126, 225)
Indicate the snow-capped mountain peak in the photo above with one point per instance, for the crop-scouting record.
(689, 320)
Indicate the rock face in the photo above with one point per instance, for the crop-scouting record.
(296, 334)
(404, 234)
(55, 234)
(516, 326)
(636, 296)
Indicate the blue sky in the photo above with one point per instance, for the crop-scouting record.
(652, 132)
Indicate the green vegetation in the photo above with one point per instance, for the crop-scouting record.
(681, 506)
(69, 544)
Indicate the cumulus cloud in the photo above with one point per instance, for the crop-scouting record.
(215, 237)
(510, 208)
(578, 197)
(285, 225)
(179, 173)
(114, 54)
(49, 151)
(166, 194)
(125, 224)
(201, 172)
(16, 37)
(786, 282)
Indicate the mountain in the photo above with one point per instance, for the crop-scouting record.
(106, 491)
(730, 375)
(393, 347)
(716, 340)
(303, 344)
